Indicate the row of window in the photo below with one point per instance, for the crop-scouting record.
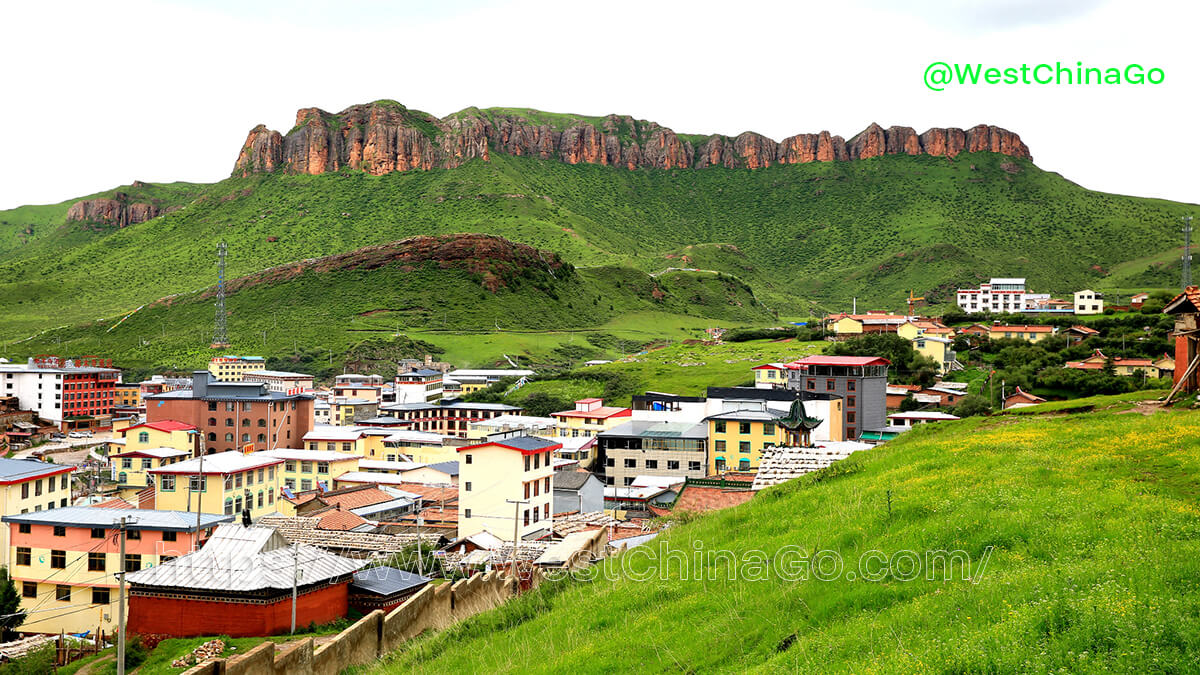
(743, 465)
(235, 505)
(97, 562)
(49, 506)
(97, 532)
(768, 428)
(306, 466)
(743, 446)
(330, 445)
(831, 385)
(62, 593)
(64, 480)
(672, 464)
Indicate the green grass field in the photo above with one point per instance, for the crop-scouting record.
(1088, 524)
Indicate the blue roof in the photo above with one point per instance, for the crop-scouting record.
(527, 442)
(386, 580)
(140, 519)
(13, 470)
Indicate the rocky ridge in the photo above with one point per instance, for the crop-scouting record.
(118, 211)
(385, 136)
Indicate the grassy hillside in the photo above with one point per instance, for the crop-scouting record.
(334, 305)
(822, 231)
(1090, 521)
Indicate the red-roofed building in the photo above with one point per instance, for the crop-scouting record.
(1077, 334)
(590, 417)
(1121, 365)
(1021, 399)
(1186, 309)
(506, 487)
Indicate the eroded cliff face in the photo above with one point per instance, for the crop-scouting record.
(385, 136)
(118, 211)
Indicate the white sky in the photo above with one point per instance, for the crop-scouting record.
(97, 94)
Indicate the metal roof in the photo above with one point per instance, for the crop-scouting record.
(386, 580)
(650, 429)
(220, 463)
(158, 453)
(748, 415)
(215, 571)
(140, 519)
(277, 373)
(309, 455)
(449, 468)
(18, 470)
(571, 480)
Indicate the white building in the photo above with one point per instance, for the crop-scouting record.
(500, 480)
(280, 380)
(1088, 301)
(419, 386)
(1001, 294)
(57, 388)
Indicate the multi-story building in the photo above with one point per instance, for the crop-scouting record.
(223, 483)
(71, 393)
(162, 434)
(364, 441)
(590, 417)
(637, 448)
(860, 381)
(234, 415)
(355, 385)
(1088, 301)
(998, 331)
(127, 395)
(770, 376)
(29, 486)
(231, 368)
(998, 295)
(129, 467)
(348, 411)
(281, 380)
(446, 417)
(418, 386)
(528, 425)
(65, 561)
(305, 470)
(420, 446)
(470, 381)
(500, 480)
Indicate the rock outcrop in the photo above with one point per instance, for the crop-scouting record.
(118, 211)
(385, 136)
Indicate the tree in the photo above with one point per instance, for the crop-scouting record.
(10, 605)
(972, 405)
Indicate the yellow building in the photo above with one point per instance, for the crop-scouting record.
(365, 442)
(29, 486)
(590, 417)
(940, 349)
(346, 411)
(770, 376)
(127, 394)
(230, 482)
(1029, 333)
(65, 560)
(419, 446)
(736, 439)
(129, 467)
(231, 368)
(161, 434)
(305, 470)
(494, 474)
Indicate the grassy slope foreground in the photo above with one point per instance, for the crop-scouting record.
(1095, 531)
(827, 230)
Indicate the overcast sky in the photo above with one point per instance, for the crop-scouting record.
(97, 94)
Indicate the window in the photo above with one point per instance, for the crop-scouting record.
(100, 596)
(228, 438)
(851, 401)
(468, 486)
(167, 482)
(196, 483)
(146, 464)
(134, 535)
(37, 488)
(744, 446)
(228, 481)
(830, 385)
(672, 465)
(526, 516)
(144, 437)
(97, 533)
(743, 464)
(262, 422)
(850, 385)
(23, 555)
(62, 593)
(630, 463)
(24, 490)
(768, 429)
(289, 466)
(96, 562)
(245, 438)
(743, 427)
(212, 437)
(528, 463)
(347, 447)
(262, 438)
(228, 506)
(306, 484)
(249, 478)
(467, 513)
(610, 462)
(60, 531)
(212, 405)
(228, 421)
(58, 559)
(237, 504)
(170, 536)
(260, 499)
(28, 589)
(306, 467)
(652, 464)
(25, 528)
(811, 384)
(693, 466)
(468, 459)
(719, 426)
(546, 484)
(719, 446)
(126, 463)
(260, 475)
(212, 421)
(850, 417)
(133, 562)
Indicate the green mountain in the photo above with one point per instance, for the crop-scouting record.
(805, 234)
(1078, 533)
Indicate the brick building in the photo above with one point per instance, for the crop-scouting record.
(231, 415)
(72, 393)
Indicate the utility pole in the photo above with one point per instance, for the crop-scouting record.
(121, 600)
(516, 539)
(1187, 251)
(420, 562)
(295, 577)
(199, 495)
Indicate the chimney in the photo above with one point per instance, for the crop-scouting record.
(200, 380)
(429, 359)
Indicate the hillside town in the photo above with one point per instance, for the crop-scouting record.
(185, 505)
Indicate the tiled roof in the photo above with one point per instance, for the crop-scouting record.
(334, 518)
(1185, 302)
(779, 465)
(357, 496)
(571, 480)
(431, 493)
(603, 412)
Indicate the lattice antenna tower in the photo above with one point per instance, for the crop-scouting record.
(220, 336)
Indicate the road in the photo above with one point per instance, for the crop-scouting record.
(68, 450)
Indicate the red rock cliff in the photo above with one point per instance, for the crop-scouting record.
(385, 136)
(117, 211)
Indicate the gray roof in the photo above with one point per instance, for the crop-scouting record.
(748, 416)
(527, 442)
(277, 373)
(648, 429)
(571, 480)
(140, 519)
(450, 468)
(14, 470)
(450, 404)
(386, 580)
(239, 559)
